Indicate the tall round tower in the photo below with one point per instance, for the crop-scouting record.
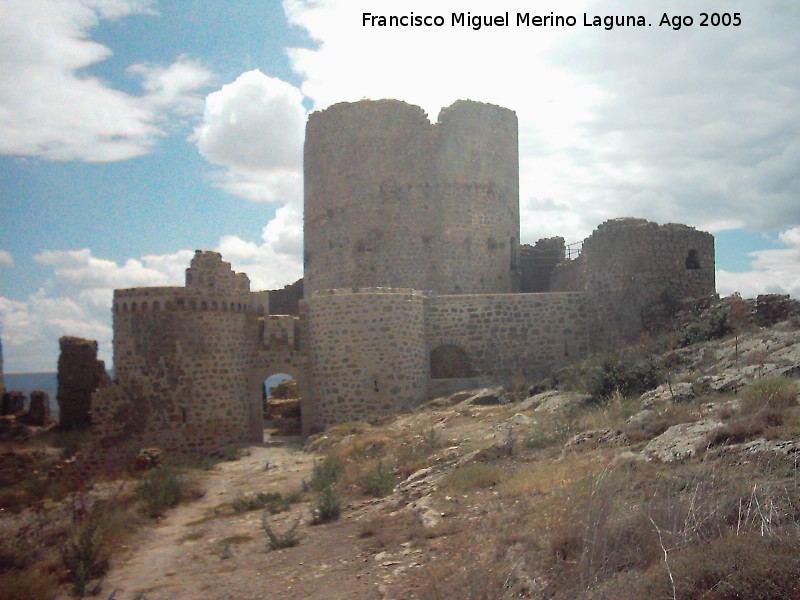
(394, 201)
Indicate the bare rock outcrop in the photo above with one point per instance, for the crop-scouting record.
(668, 394)
(554, 401)
(680, 442)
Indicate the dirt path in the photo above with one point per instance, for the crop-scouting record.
(203, 550)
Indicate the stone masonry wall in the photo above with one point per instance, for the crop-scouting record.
(392, 200)
(285, 301)
(510, 334)
(368, 354)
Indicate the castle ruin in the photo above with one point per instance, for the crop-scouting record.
(415, 286)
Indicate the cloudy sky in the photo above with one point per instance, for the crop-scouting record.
(134, 131)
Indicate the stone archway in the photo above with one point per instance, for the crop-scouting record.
(282, 404)
(267, 364)
(449, 361)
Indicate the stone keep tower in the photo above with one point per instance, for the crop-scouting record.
(392, 200)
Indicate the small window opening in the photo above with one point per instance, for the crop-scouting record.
(692, 261)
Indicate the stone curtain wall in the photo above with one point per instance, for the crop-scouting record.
(368, 354)
(392, 200)
(510, 334)
(631, 263)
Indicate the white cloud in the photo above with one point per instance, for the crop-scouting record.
(255, 127)
(176, 86)
(6, 260)
(773, 271)
(77, 298)
(51, 109)
(697, 126)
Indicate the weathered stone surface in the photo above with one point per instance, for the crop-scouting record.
(668, 393)
(13, 403)
(487, 397)
(679, 442)
(538, 262)
(640, 419)
(79, 375)
(603, 438)
(286, 301)
(418, 484)
(554, 402)
(39, 410)
(628, 265)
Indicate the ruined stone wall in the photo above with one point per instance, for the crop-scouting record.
(183, 362)
(538, 262)
(286, 301)
(632, 263)
(367, 352)
(569, 276)
(392, 200)
(79, 375)
(510, 334)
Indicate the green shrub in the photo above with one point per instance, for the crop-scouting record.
(325, 473)
(379, 482)
(160, 488)
(624, 375)
(273, 502)
(277, 540)
(712, 327)
(83, 559)
(326, 506)
(554, 429)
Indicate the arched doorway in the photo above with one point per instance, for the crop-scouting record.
(282, 404)
(448, 361)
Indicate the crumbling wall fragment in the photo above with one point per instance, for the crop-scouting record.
(39, 410)
(79, 375)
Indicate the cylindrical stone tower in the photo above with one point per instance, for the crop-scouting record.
(394, 201)
(183, 356)
(369, 353)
